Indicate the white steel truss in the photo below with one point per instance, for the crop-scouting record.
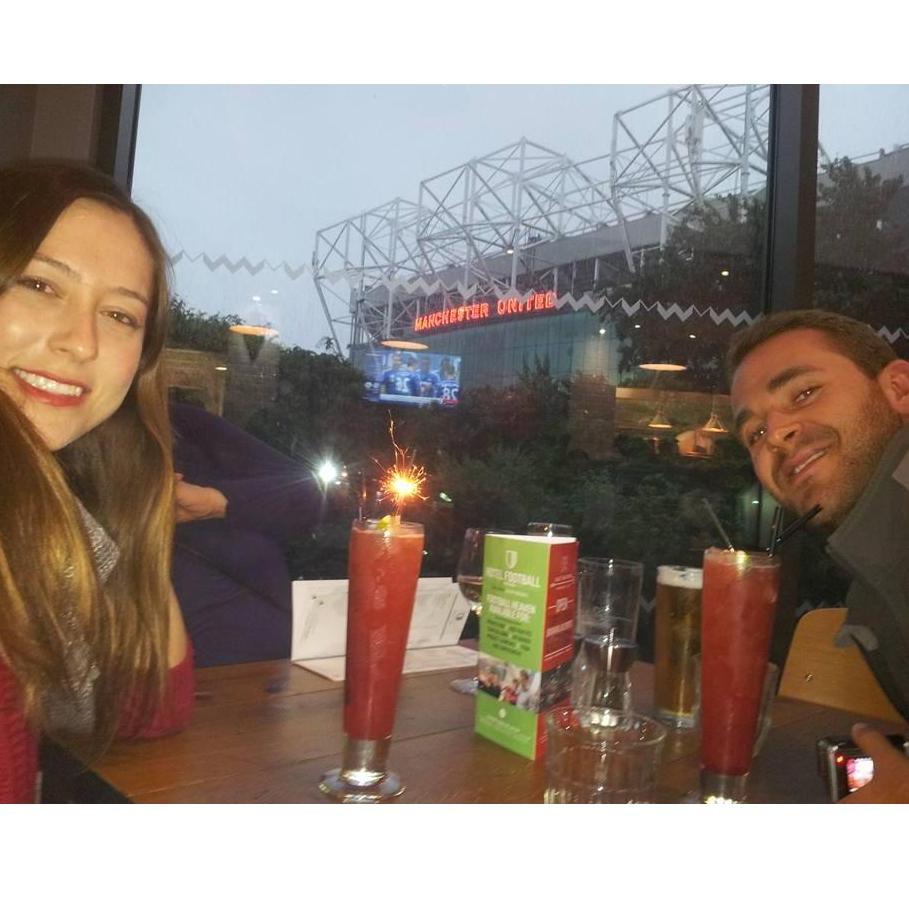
(685, 146)
(475, 228)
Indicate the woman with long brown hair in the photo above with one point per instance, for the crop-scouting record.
(91, 638)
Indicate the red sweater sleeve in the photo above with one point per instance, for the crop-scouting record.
(174, 711)
(18, 745)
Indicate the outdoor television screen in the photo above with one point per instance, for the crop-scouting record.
(405, 377)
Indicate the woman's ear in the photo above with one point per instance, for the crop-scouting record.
(894, 382)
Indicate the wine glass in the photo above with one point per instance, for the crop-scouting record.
(470, 567)
(548, 529)
(470, 582)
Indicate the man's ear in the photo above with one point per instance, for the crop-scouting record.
(894, 382)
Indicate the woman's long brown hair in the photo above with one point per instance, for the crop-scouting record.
(122, 472)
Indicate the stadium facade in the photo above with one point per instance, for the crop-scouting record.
(464, 268)
(517, 257)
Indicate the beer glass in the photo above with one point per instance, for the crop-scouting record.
(737, 610)
(383, 568)
(677, 641)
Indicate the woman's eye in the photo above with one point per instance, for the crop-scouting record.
(36, 284)
(124, 318)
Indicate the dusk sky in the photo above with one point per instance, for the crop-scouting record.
(255, 171)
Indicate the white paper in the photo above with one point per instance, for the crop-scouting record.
(320, 627)
(424, 659)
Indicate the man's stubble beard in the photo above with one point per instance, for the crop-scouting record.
(862, 445)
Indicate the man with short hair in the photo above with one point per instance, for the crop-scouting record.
(822, 405)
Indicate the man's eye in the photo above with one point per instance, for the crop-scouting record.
(805, 394)
(756, 435)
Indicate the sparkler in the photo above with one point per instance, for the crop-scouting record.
(404, 480)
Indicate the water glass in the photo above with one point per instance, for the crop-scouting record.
(609, 597)
(601, 756)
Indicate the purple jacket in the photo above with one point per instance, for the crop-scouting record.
(230, 574)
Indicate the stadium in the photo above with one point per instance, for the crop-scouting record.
(523, 257)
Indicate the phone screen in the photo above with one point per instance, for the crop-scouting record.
(859, 771)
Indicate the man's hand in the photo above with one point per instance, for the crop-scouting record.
(891, 770)
(198, 503)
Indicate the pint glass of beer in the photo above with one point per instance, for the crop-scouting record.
(677, 641)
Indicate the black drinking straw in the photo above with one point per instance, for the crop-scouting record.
(798, 524)
(775, 525)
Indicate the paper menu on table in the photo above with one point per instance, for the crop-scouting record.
(320, 625)
(422, 659)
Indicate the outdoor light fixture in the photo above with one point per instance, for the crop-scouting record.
(602, 331)
(221, 368)
(327, 472)
(725, 273)
(401, 344)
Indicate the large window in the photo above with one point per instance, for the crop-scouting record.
(861, 241)
(576, 258)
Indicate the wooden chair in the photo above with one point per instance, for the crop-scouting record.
(820, 672)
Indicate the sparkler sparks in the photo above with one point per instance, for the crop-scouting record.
(403, 481)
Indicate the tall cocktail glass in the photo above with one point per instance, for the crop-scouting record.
(383, 569)
(738, 604)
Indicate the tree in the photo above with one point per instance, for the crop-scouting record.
(319, 411)
(195, 330)
(862, 259)
(713, 258)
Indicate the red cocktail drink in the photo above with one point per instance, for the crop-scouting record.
(383, 569)
(738, 604)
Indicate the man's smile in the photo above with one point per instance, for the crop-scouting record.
(797, 467)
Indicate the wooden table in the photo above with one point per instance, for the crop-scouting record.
(265, 732)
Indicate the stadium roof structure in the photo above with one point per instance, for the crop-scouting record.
(476, 227)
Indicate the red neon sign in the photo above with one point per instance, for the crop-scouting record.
(506, 307)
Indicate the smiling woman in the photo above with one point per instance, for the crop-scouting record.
(72, 324)
(89, 625)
